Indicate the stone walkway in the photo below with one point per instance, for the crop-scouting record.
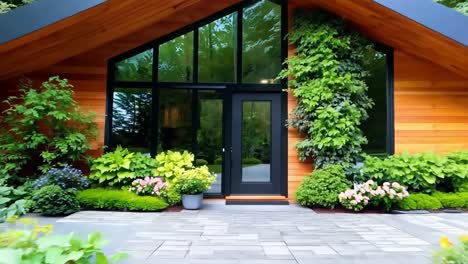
(221, 234)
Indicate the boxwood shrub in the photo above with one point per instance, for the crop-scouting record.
(420, 201)
(53, 200)
(108, 199)
(322, 187)
(452, 200)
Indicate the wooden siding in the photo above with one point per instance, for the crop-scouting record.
(431, 107)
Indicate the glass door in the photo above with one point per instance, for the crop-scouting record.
(256, 130)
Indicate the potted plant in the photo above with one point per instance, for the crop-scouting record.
(192, 184)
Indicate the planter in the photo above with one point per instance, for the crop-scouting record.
(192, 202)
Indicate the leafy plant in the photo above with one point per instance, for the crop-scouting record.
(328, 81)
(53, 200)
(121, 167)
(251, 161)
(42, 128)
(38, 245)
(66, 177)
(119, 200)
(12, 202)
(424, 172)
(450, 253)
(322, 187)
(420, 201)
(195, 181)
(172, 164)
(452, 200)
(201, 162)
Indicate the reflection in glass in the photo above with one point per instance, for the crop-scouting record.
(175, 117)
(136, 68)
(210, 133)
(131, 118)
(261, 46)
(217, 50)
(256, 141)
(375, 128)
(176, 59)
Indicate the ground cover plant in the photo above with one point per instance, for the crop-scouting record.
(108, 199)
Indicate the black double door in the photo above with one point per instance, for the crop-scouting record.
(256, 144)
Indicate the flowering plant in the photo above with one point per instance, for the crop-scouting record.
(153, 186)
(370, 193)
(450, 253)
(66, 178)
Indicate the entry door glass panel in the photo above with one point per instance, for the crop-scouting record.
(256, 141)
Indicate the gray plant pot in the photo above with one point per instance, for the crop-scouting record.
(192, 202)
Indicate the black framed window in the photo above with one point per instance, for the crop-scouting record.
(378, 128)
(176, 59)
(136, 68)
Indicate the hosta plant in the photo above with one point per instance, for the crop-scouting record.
(12, 202)
(39, 245)
(195, 181)
(172, 164)
(121, 167)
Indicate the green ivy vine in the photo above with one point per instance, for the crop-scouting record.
(327, 79)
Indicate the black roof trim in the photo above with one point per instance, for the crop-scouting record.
(432, 15)
(39, 14)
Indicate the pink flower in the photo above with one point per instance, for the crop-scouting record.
(396, 185)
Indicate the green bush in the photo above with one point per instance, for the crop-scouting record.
(423, 172)
(119, 200)
(218, 161)
(42, 128)
(171, 164)
(53, 200)
(201, 162)
(251, 161)
(121, 167)
(420, 201)
(194, 181)
(322, 187)
(452, 200)
(13, 202)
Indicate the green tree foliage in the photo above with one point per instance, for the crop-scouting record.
(7, 5)
(459, 5)
(328, 80)
(42, 128)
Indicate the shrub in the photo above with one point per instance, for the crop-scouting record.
(322, 187)
(53, 200)
(66, 177)
(452, 200)
(195, 181)
(42, 128)
(121, 167)
(38, 245)
(371, 193)
(119, 200)
(251, 161)
(218, 161)
(420, 201)
(457, 170)
(152, 186)
(450, 253)
(200, 162)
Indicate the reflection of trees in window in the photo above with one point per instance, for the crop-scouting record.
(375, 128)
(176, 59)
(261, 59)
(136, 68)
(175, 119)
(217, 50)
(131, 118)
(256, 130)
(210, 132)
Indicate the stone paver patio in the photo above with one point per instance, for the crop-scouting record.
(221, 234)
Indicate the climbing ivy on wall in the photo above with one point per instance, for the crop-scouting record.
(327, 79)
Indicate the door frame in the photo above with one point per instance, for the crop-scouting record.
(283, 146)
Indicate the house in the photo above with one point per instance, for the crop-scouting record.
(201, 75)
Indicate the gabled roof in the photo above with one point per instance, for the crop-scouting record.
(106, 28)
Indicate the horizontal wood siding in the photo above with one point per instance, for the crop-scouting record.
(431, 107)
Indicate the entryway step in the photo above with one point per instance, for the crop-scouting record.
(256, 200)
